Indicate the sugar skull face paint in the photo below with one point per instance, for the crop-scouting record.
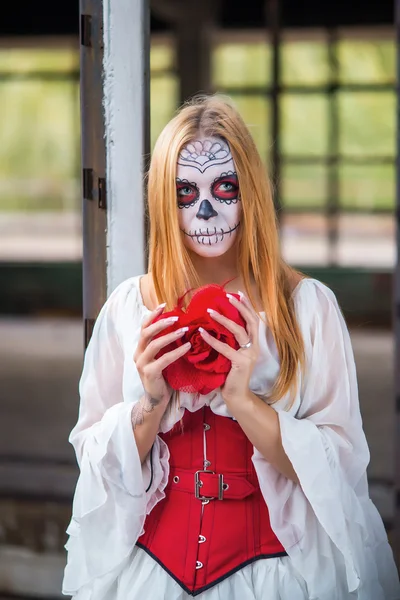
(208, 199)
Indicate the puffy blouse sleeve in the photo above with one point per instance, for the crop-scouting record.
(114, 490)
(327, 523)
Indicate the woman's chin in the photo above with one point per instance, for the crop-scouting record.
(209, 250)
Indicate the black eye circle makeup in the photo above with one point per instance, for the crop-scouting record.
(187, 193)
(225, 188)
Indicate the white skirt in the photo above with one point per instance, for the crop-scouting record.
(264, 579)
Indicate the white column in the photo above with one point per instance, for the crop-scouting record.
(126, 107)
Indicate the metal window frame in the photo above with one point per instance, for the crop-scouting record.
(332, 159)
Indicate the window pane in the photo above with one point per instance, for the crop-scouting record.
(241, 65)
(304, 239)
(368, 61)
(304, 124)
(39, 154)
(304, 186)
(305, 63)
(367, 187)
(163, 94)
(367, 123)
(162, 57)
(255, 113)
(26, 60)
(367, 241)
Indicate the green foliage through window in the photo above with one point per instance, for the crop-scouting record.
(39, 93)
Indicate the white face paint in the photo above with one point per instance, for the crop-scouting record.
(209, 207)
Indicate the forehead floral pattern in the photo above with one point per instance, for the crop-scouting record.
(202, 154)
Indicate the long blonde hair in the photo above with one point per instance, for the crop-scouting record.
(258, 245)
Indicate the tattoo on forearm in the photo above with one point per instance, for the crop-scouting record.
(145, 406)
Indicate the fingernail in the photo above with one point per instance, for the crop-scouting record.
(230, 297)
(187, 345)
(211, 311)
(163, 305)
(172, 319)
(201, 330)
(182, 330)
(242, 296)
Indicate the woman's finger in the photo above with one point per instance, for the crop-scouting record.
(244, 307)
(150, 329)
(248, 313)
(169, 357)
(220, 347)
(238, 331)
(154, 347)
(153, 329)
(246, 302)
(146, 323)
(154, 313)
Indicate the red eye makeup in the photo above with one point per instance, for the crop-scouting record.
(226, 188)
(187, 193)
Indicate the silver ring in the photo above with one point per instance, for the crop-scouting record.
(249, 343)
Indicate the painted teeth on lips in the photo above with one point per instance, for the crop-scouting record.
(211, 233)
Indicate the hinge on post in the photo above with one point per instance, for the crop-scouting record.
(102, 193)
(86, 30)
(87, 182)
(89, 324)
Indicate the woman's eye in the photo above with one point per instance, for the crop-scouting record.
(226, 189)
(186, 193)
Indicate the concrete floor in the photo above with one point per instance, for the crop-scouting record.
(40, 364)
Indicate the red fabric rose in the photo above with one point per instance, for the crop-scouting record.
(202, 369)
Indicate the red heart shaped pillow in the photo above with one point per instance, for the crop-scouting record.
(202, 369)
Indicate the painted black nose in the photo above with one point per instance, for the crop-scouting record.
(206, 211)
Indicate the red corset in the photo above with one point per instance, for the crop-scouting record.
(214, 519)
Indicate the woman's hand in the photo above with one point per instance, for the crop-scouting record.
(149, 369)
(243, 360)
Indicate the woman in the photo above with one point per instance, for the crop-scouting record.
(255, 490)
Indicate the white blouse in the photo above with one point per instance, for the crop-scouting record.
(334, 537)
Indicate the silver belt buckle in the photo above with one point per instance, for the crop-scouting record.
(198, 483)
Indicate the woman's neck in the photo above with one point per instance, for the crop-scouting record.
(216, 269)
(224, 270)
